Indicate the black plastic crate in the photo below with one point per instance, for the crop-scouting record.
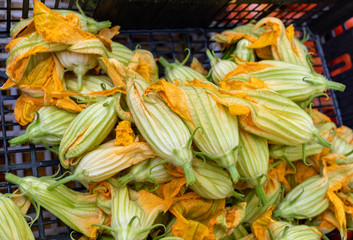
(166, 28)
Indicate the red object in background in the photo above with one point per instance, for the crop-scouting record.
(346, 59)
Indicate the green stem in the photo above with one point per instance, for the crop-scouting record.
(104, 24)
(123, 180)
(187, 57)
(79, 82)
(260, 193)
(63, 181)
(335, 86)
(321, 140)
(238, 196)
(20, 139)
(234, 173)
(163, 62)
(189, 174)
(210, 55)
(13, 178)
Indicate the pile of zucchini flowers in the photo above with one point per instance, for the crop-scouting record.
(236, 152)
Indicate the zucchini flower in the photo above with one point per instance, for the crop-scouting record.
(77, 210)
(13, 224)
(107, 160)
(144, 64)
(215, 129)
(269, 115)
(306, 200)
(151, 170)
(180, 72)
(87, 131)
(133, 214)
(280, 39)
(165, 132)
(253, 162)
(228, 220)
(47, 128)
(243, 52)
(220, 68)
(78, 63)
(212, 181)
(298, 83)
(265, 227)
(87, 24)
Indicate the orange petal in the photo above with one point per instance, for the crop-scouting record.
(23, 110)
(150, 202)
(233, 37)
(258, 226)
(109, 33)
(303, 172)
(174, 96)
(143, 63)
(197, 83)
(269, 37)
(124, 134)
(197, 65)
(115, 70)
(191, 230)
(338, 208)
(53, 27)
(253, 83)
(248, 67)
(290, 32)
(170, 190)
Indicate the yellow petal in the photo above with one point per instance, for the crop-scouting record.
(150, 202)
(174, 96)
(338, 208)
(23, 110)
(269, 37)
(235, 36)
(197, 65)
(191, 230)
(17, 67)
(264, 53)
(328, 221)
(202, 210)
(233, 215)
(115, 70)
(124, 134)
(170, 191)
(290, 32)
(109, 33)
(12, 44)
(248, 67)
(303, 172)
(25, 30)
(253, 83)
(107, 92)
(258, 226)
(53, 27)
(237, 109)
(277, 175)
(197, 83)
